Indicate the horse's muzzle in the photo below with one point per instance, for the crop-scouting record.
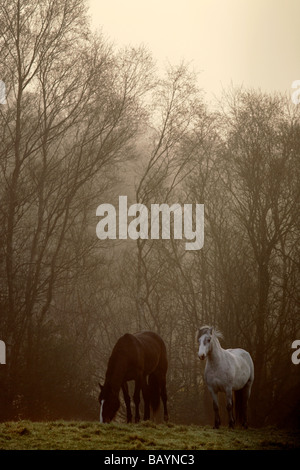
(201, 356)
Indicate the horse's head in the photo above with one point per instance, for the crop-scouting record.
(109, 403)
(204, 338)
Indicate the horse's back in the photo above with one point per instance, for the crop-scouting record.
(147, 338)
(154, 349)
(244, 362)
(145, 351)
(243, 355)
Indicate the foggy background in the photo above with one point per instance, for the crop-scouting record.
(92, 114)
(240, 42)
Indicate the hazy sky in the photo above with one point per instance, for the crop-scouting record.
(250, 42)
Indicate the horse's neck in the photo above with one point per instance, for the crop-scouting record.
(116, 372)
(216, 353)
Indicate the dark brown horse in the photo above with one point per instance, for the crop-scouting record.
(141, 357)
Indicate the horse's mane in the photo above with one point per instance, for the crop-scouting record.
(215, 331)
(218, 333)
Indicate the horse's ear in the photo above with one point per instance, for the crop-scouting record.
(197, 335)
(210, 331)
(100, 386)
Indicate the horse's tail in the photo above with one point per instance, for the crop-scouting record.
(154, 392)
(239, 403)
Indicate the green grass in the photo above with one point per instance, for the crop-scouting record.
(64, 435)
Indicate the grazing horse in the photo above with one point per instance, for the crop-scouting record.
(226, 370)
(141, 357)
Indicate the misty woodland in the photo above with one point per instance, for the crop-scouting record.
(84, 122)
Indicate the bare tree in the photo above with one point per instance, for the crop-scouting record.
(70, 117)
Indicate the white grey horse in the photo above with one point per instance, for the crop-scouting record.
(226, 370)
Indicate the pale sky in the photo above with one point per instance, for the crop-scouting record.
(255, 43)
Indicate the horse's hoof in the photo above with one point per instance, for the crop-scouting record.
(166, 418)
(231, 425)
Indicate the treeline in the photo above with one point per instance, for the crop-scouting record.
(84, 123)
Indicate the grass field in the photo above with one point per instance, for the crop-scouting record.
(72, 435)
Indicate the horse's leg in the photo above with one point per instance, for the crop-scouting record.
(216, 408)
(137, 397)
(229, 406)
(246, 396)
(127, 401)
(145, 392)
